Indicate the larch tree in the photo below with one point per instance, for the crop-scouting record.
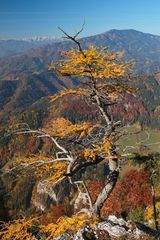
(104, 73)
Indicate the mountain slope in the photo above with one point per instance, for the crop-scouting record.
(13, 47)
(24, 79)
(143, 48)
(18, 95)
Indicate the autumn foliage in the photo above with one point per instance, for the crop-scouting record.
(63, 128)
(66, 224)
(77, 146)
(131, 192)
(149, 214)
(94, 187)
(52, 215)
(18, 229)
(101, 63)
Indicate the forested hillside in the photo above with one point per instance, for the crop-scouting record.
(98, 133)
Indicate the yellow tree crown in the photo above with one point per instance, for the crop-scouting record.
(99, 63)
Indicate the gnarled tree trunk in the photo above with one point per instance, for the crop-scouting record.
(110, 183)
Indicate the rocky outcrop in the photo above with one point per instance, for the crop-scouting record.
(113, 228)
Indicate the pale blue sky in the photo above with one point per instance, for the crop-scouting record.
(25, 18)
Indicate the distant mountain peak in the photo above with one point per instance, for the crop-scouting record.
(44, 38)
(130, 31)
(13, 47)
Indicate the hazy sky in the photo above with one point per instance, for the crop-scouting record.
(25, 18)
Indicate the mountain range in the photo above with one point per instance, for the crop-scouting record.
(25, 78)
(143, 48)
(13, 47)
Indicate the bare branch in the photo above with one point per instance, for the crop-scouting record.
(42, 134)
(73, 38)
(81, 30)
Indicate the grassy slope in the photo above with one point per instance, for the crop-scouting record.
(145, 140)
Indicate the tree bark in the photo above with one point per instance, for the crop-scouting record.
(110, 183)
